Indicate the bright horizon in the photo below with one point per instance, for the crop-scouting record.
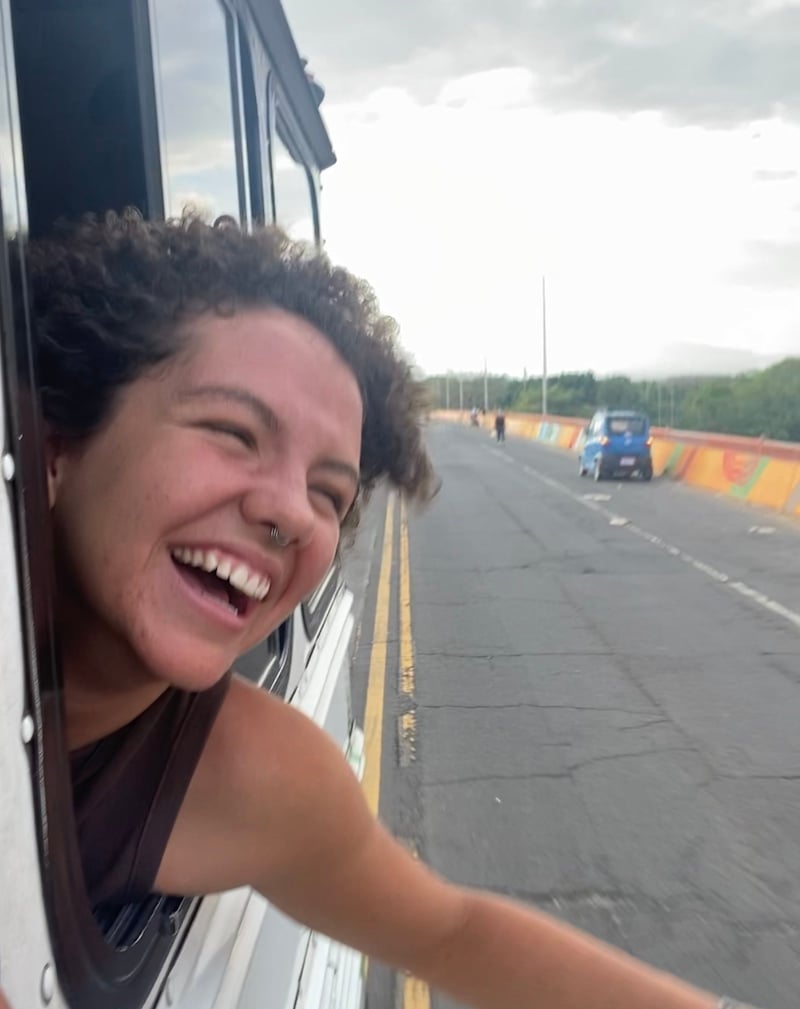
(464, 176)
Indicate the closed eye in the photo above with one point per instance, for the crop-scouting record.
(241, 434)
(335, 498)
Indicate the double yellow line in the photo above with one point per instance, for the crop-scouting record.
(415, 993)
(376, 685)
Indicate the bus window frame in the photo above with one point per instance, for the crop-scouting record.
(81, 952)
(149, 102)
(274, 675)
(254, 137)
(233, 36)
(315, 608)
(91, 972)
(282, 124)
(148, 934)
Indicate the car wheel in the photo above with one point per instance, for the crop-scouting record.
(597, 472)
(647, 473)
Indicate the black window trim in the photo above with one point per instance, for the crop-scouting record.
(282, 124)
(148, 102)
(254, 125)
(276, 38)
(234, 40)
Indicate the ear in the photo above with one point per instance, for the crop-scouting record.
(55, 461)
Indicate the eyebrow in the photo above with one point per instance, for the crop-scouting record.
(235, 394)
(341, 467)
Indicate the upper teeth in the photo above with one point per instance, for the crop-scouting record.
(233, 571)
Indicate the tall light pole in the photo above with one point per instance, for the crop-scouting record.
(461, 392)
(544, 349)
(485, 387)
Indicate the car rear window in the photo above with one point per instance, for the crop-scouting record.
(627, 425)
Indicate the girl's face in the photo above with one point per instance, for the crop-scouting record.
(257, 424)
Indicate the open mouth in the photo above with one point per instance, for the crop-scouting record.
(221, 592)
(227, 583)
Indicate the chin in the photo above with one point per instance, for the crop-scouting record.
(194, 668)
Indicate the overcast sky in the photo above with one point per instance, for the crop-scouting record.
(643, 154)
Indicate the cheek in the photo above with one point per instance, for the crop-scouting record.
(314, 563)
(82, 551)
(327, 550)
(98, 567)
(105, 539)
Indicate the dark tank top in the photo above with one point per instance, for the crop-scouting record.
(128, 789)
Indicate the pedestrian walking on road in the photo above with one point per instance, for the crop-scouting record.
(500, 425)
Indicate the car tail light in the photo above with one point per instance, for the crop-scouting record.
(649, 441)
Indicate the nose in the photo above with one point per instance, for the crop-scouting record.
(279, 498)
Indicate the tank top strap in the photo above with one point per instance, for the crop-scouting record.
(129, 787)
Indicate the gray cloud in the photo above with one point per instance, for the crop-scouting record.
(713, 62)
(770, 265)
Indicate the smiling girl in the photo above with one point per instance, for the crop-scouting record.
(218, 406)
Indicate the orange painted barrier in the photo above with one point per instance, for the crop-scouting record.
(756, 470)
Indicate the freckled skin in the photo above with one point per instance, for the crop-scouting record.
(167, 470)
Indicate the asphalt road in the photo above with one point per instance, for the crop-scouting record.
(607, 706)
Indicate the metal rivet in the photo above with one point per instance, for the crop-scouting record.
(27, 728)
(47, 987)
(9, 467)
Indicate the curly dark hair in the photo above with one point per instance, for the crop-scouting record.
(110, 296)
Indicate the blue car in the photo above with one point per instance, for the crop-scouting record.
(617, 443)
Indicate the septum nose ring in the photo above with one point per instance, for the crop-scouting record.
(277, 537)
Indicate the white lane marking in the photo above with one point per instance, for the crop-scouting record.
(769, 604)
(596, 497)
(742, 588)
(762, 530)
(707, 569)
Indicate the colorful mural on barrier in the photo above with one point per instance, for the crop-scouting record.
(761, 473)
(754, 470)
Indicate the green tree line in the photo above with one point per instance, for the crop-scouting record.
(756, 403)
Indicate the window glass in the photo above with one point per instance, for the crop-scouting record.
(80, 103)
(199, 157)
(294, 201)
(626, 425)
(11, 200)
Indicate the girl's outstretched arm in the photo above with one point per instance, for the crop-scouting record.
(276, 806)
